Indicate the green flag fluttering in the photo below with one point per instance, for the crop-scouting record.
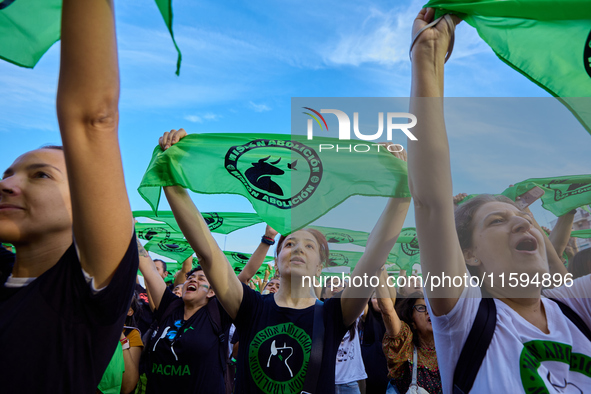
(175, 249)
(581, 234)
(287, 180)
(345, 236)
(346, 258)
(406, 254)
(238, 260)
(218, 222)
(165, 7)
(548, 41)
(28, 28)
(562, 194)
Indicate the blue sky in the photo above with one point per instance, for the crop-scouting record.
(244, 61)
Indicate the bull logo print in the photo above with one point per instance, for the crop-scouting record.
(280, 353)
(260, 173)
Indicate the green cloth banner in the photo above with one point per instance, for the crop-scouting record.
(165, 7)
(238, 260)
(287, 179)
(218, 222)
(547, 41)
(28, 28)
(562, 194)
(581, 234)
(345, 236)
(345, 258)
(406, 255)
(175, 249)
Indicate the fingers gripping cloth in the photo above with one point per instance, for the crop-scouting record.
(452, 27)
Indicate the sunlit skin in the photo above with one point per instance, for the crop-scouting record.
(422, 323)
(178, 290)
(299, 257)
(505, 241)
(35, 210)
(273, 285)
(196, 289)
(160, 269)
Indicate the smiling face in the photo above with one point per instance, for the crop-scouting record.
(196, 288)
(35, 197)
(300, 255)
(504, 240)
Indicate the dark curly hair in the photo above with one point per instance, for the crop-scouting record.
(404, 310)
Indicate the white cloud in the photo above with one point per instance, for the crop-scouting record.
(259, 107)
(194, 118)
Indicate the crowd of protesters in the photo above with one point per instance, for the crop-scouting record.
(74, 318)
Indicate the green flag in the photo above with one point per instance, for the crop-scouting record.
(581, 234)
(345, 236)
(175, 249)
(159, 231)
(28, 28)
(345, 258)
(165, 7)
(287, 179)
(406, 255)
(238, 260)
(547, 41)
(562, 194)
(218, 222)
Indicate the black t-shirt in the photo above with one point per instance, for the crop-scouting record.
(374, 359)
(57, 336)
(275, 345)
(191, 362)
(143, 316)
(6, 263)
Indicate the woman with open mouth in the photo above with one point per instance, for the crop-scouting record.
(276, 330)
(531, 344)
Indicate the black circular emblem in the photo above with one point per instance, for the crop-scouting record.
(587, 55)
(6, 3)
(337, 259)
(411, 248)
(151, 232)
(172, 247)
(338, 238)
(281, 173)
(239, 257)
(213, 220)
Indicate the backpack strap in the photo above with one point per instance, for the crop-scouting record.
(574, 318)
(476, 346)
(313, 371)
(213, 313)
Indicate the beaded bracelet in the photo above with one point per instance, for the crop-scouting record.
(267, 240)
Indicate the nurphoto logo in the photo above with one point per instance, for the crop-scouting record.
(344, 131)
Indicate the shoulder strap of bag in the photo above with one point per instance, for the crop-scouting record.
(213, 313)
(573, 317)
(316, 351)
(476, 346)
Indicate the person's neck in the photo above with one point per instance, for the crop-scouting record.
(427, 340)
(34, 258)
(192, 307)
(297, 296)
(531, 309)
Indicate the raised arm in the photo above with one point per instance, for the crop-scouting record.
(257, 258)
(429, 163)
(87, 110)
(386, 302)
(560, 234)
(181, 274)
(218, 270)
(379, 244)
(155, 285)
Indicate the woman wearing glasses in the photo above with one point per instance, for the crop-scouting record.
(409, 328)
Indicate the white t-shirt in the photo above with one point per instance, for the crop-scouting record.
(520, 357)
(349, 366)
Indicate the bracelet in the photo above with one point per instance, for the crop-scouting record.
(267, 240)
